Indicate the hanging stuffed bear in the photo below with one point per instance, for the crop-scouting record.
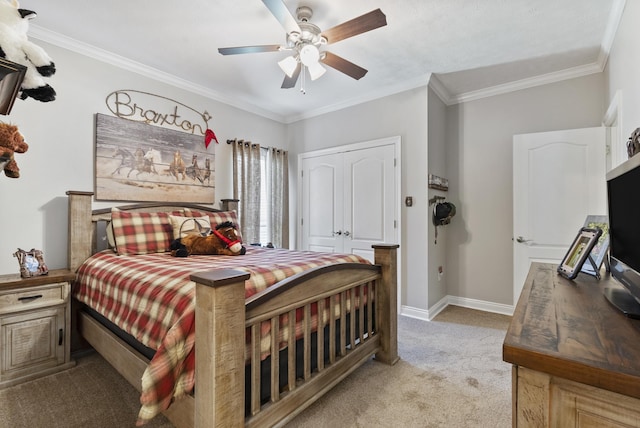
(15, 47)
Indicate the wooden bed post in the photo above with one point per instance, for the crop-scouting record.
(80, 235)
(387, 303)
(220, 348)
(229, 204)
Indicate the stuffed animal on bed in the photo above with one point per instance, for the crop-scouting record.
(15, 47)
(11, 141)
(223, 240)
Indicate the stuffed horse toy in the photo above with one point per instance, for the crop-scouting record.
(224, 240)
(15, 47)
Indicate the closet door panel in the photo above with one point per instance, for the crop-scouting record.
(322, 203)
(369, 199)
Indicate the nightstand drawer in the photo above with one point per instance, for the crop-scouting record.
(34, 297)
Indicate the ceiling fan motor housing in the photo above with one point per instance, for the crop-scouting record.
(309, 33)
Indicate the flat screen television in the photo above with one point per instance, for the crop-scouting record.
(623, 194)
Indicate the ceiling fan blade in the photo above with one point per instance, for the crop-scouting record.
(344, 66)
(282, 14)
(290, 82)
(362, 24)
(248, 49)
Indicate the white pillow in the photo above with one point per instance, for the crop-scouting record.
(183, 226)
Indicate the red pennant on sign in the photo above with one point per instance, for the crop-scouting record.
(208, 136)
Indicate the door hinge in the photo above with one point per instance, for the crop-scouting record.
(301, 222)
(395, 162)
(395, 224)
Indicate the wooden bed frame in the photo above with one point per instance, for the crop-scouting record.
(223, 315)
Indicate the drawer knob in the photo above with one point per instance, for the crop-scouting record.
(30, 298)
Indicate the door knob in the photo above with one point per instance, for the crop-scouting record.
(337, 233)
(521, 240)
(347, 233)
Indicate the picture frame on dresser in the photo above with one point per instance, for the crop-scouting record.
(579, 252)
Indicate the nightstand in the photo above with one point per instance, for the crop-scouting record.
(35, 321)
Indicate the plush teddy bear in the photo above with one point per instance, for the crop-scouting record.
(224, 240)
(15, 47)
(11, 140)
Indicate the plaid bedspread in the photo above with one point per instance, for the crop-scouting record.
(151, 297)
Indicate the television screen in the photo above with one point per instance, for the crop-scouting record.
(623, 193)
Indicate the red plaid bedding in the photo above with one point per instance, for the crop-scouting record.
(151, 297)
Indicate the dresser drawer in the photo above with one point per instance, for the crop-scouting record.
(34, 297)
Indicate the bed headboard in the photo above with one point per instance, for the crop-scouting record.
(87, 226)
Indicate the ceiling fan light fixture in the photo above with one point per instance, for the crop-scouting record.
(316, 70)
(309, 55)
(288, 65)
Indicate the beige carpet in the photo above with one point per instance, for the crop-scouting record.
(451, 374)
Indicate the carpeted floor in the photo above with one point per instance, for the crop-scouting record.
(451, 374)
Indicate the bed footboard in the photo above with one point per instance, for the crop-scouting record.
(359, 333)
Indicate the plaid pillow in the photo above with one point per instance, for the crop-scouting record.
(141, 233)
(216, 217)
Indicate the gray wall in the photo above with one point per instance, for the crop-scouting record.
(437, 166)
(60, 156)
(403, 114)
(479, 165)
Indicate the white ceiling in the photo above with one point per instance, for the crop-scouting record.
(472, 46)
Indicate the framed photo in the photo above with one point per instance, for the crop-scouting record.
(31, 263)
(139, 162)
(579, 251)
(599, 251)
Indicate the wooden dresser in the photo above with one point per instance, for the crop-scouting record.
(34, 326)
(576, 359)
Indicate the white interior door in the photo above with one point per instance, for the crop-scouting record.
(369, 194)
(322, 203)
(558, 179)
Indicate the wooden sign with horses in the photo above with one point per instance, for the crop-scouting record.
(139, 162)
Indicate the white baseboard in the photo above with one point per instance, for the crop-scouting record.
(480, 305)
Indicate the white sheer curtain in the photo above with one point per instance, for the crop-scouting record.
(246, 188)
(277, 175)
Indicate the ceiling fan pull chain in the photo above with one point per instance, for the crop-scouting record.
(302, 80)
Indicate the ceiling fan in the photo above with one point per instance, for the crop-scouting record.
(305, 39)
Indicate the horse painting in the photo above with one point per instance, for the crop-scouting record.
(193, 170)
(138, 161)
(177, 166)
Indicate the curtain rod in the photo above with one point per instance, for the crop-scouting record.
(249, 142)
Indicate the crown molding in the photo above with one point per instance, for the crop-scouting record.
(544, 79)
(440, 90)
(370, 96)
(612, 28)
(144, 70)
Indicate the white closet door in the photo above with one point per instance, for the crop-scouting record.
(349, 200)
(322, 203)
(369, 195)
